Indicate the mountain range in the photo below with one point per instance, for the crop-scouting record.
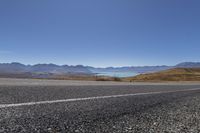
(41, 68)
(53, 69)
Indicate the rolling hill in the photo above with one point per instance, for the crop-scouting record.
(174, 74)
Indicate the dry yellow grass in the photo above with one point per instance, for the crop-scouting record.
(86, 77)
(175, 74)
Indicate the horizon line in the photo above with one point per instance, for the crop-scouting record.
(29, 64)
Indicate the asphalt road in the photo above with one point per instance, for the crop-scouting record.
(100, 108)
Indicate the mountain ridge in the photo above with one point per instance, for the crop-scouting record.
(51, 68)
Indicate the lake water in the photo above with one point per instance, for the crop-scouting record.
(118, 74)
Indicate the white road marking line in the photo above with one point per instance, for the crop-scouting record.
(89, 98)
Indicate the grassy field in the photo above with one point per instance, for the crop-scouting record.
(175, 74)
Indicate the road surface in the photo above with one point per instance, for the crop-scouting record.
(90, 107)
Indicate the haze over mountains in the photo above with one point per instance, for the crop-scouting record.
(41, 68)
(17, 68)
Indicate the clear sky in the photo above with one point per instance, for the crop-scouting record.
(100, 32)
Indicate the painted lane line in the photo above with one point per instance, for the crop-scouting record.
(89, 98)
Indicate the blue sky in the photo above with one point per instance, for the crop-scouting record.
(100, 32)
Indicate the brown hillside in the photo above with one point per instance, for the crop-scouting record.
(175, 74)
